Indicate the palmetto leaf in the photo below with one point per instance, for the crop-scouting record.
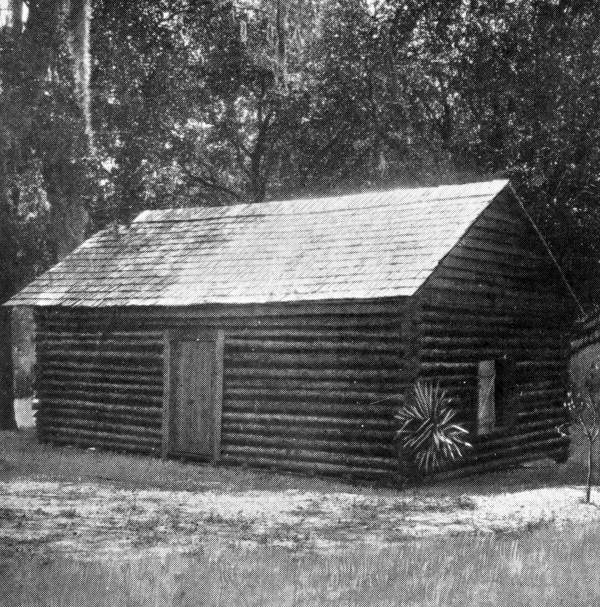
(427, 430)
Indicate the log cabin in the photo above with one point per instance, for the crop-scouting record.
(286, 334)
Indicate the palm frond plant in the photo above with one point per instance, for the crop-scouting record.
(428, 433)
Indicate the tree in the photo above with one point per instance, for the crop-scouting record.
(187, 113)
(44, 150)
(583, 407)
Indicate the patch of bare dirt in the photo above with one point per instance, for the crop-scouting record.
(98, 518)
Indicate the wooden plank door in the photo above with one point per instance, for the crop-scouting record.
(193, 416)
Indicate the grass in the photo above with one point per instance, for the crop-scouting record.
(21, 455)
(542, 568)
(539, 565)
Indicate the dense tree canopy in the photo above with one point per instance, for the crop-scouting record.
(184, 111)
(389, 93)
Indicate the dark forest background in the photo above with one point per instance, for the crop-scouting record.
(108, 107)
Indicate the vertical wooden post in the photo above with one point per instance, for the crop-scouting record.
(411, 339)
(218, 395)
(486, 401)
(166, 402)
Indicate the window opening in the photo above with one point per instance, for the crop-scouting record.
(495, 408)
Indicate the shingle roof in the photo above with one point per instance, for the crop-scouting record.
(363, 246)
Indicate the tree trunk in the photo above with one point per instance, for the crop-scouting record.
(7, 408)
(69, 216)
(590, 463)
(15, 8)
(80, 16)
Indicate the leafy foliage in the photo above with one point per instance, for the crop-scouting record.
(428, 432)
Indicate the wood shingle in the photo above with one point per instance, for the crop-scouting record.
(363, 246)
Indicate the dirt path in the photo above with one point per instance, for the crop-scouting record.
(101, 518)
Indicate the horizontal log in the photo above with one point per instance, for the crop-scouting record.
(317, 374)
(504, 213)
(127, 369)
(498, 230)
(477, 354)
(460, 329)
(307, 336)
(110, 419)
(312, 456)
(456, 293)
(43, 334)
(101, 438)
(547, 414)
(49, 404)
(541, 399)
(109, 446)
(340, 386)
(262, 394)
(379, 410)
(461, 267)
(70, 355)
(518, 435)
(535, 363)
(329, 437)
(448, 367)
(149, 381)
(472, 242)
(524, 341)
(449, 381)
(132, 400)
(298, 445)
(101, 427)
(502, 222)
(119, 446)
(444, 312)
(299, 420)
(491, 259)
(486, 277)
(54, 343)
(313, 360)
(534, 385)
(437, 309)
(124, 386)
(310, 468)
(54, 372)
(499, 268)
(317, 345)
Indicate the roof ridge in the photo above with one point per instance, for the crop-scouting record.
(377, 195)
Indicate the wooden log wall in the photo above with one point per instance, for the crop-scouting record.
(307, 388)
(496, 294)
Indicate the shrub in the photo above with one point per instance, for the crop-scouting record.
(428, 434)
